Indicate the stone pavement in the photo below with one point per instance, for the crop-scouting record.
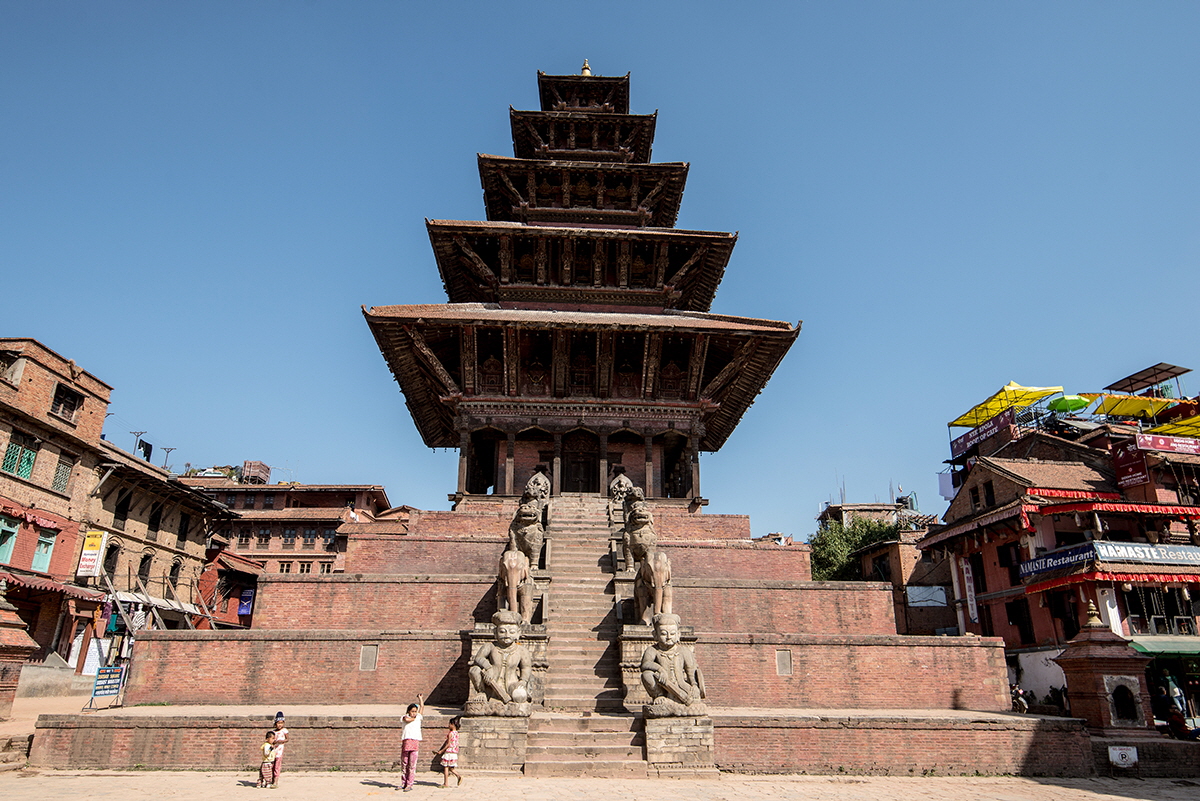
(33, 785)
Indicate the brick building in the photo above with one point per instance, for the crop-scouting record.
(61, 483)
(1052, 510)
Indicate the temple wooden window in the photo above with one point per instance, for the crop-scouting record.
(536, 358)
(672, 377)
(641, 267)
(627, 370)
(310, 539)
(584, 256)
(525, 259)
(582, 371)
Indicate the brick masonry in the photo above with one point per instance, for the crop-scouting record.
(490, 743)
(680, 742)
(902, 746)
(295, 667)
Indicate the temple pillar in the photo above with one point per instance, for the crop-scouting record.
(464, 447)
(508, 463)
(603, 464)
(650, 493)
(556, 478)
(694, 455)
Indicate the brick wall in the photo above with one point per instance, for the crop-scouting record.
(739, 560)
(420, 554)
(747, 605)
(902, 746)
(854, 672)
(297, 667)
(358, 601)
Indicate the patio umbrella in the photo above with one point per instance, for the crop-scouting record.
(1069, 403)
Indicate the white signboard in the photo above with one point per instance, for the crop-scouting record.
(969, 579)
(91, 558)
(1123, 756)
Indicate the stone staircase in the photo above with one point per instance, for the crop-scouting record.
(14, 751)
(585, 729)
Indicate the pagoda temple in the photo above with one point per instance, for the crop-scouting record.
(578, 332)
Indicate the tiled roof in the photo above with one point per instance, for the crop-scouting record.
(295, 513)
(492, 313)
(1054, 475)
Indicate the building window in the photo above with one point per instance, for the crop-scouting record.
(989, 494)
(144, 568)
(62, 473)
(1063, 609)
(310, 538)
(111, 556)
(330, 537)
(244, 538)
(285, 567)
(154, 521)
(269, 500)
(264, 538)
(881, 568)
(305, 567)
(327, 567)
(1018, 617)
(185, 525)
(974, 499)
(20, 456)
(230, 500)
(42, 551)
(67, 402)
(289, 538)
(248, 500)
(173, 576)
(8, 538)
(121, 510)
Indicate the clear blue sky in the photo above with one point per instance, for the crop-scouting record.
(196, 198)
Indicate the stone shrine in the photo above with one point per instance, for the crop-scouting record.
(581, 636)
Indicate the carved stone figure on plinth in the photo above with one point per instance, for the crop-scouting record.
(670, 674)
(537, 488)
(526, 534)
(618, 488)
(500, 672)
(638, 536)
(514, 585)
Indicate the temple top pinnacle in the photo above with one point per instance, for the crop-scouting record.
(586, 69)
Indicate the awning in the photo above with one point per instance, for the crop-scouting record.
(47, 585)
(1010, 395)
(1166, 644)
(160, 603)
(1129, 405)
(1128, 508)
(1187, 427)
(1113, 577)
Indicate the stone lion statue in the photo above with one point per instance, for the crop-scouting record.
(525, 533)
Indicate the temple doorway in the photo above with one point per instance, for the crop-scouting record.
(581, 462)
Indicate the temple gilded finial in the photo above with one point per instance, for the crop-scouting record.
(1093, 620)
(587, 70)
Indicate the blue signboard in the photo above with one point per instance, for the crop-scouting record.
(1058, 559)
(1147, 554)
(246, 602)
(108, 681)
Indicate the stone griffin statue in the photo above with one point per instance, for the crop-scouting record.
(638, 536)
(514, 585)
(500, 672)
(537, 488)
(525, 533)
(670, 674)
(652, 592)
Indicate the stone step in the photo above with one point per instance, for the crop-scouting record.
(589, 768)
(583, 750)
(548, 722)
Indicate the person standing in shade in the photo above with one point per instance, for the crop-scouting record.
(281, 738)
(410, 745)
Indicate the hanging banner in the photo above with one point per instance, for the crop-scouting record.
(961, 445)
(1130, 465)
(91, 558)
(969, 583)
(246, 602)
(1155, 442)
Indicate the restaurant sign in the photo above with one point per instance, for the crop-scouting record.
(1144, 553)
(979, 433)
(1058, 560)
(1129, 463)
(1155, 442)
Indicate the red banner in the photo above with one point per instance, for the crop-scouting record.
(1130, 465)
(1154, 442)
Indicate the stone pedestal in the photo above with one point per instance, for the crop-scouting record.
(635, 639)
(1106, 680)
(15, 647)
(491, 743)
(681, 746)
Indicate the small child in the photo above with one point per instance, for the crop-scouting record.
(266, 771)
(449, 755)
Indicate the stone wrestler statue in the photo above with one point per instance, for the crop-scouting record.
(501, 669)
(670, 674)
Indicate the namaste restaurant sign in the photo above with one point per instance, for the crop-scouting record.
(1136, 552)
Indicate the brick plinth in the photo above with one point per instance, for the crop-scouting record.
(403, 554)
(1158, 757)
(675, 745)
(224, 742)
(853, 672)
(902, 745)
(493, 743)
(298, 667)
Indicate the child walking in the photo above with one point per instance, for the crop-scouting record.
(266, 771)
(449, 754)
(410, 744)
